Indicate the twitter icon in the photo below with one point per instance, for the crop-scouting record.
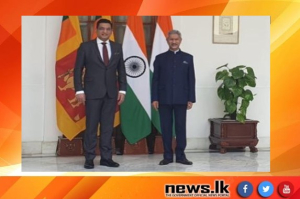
(265, 189)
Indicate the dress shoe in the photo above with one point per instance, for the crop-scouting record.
(165, 162)
(184, 161)
(150, 152)
(89, 164)
(118, 152)
(109, 163)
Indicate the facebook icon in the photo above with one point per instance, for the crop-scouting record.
(245, 189)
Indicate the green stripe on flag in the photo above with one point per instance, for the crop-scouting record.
(135, 123)
(154, 113)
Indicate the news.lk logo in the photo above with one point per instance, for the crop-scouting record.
(220, 190)
(265, 189)
(245, 189)
(286, 189)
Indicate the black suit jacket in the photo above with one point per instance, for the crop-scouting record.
(174, 78)
(98, 78)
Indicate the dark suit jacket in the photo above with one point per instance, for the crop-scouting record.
(99, 79)
(174, 78)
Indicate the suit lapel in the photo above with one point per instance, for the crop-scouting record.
(112, 48)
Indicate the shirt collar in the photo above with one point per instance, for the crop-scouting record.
(174, 52)
(99, 41)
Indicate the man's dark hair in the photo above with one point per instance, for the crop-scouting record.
(104, 21)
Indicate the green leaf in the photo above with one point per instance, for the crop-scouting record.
(221, 75)
(225, 65)
(243, 110)
(250, 72)
(247, 95)
(229, 82)
(228, 95)
(230, 106)
(237, 91)
(237, 73)
(241, 118)
(242, 82)
(238, 67)
(245, 104)
(221, 92)
(250, 80)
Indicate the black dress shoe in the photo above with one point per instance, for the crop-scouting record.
(109, 163)
(150, 152)
(184, 161)
(119, 152)
(165, 162)
(89, 164)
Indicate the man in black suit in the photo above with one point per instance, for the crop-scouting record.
(173, 93)
(104, 68)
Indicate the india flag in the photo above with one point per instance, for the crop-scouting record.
(160, 45)
(136, 109)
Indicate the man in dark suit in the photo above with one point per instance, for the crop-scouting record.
(104, 67)
(173, 93)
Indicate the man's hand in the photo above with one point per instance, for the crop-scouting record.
(155, 105)
(80, 97)
(189, 105)
(121, 98)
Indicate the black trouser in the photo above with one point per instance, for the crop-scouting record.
(166, 113)
(99, 111)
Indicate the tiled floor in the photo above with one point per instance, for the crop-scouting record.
(242, 161)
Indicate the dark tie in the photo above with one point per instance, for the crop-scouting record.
(105, 54)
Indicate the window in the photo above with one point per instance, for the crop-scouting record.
(119, 25)
(86, 26)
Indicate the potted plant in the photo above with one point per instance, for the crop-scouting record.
(238, 131)
(233, 88)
